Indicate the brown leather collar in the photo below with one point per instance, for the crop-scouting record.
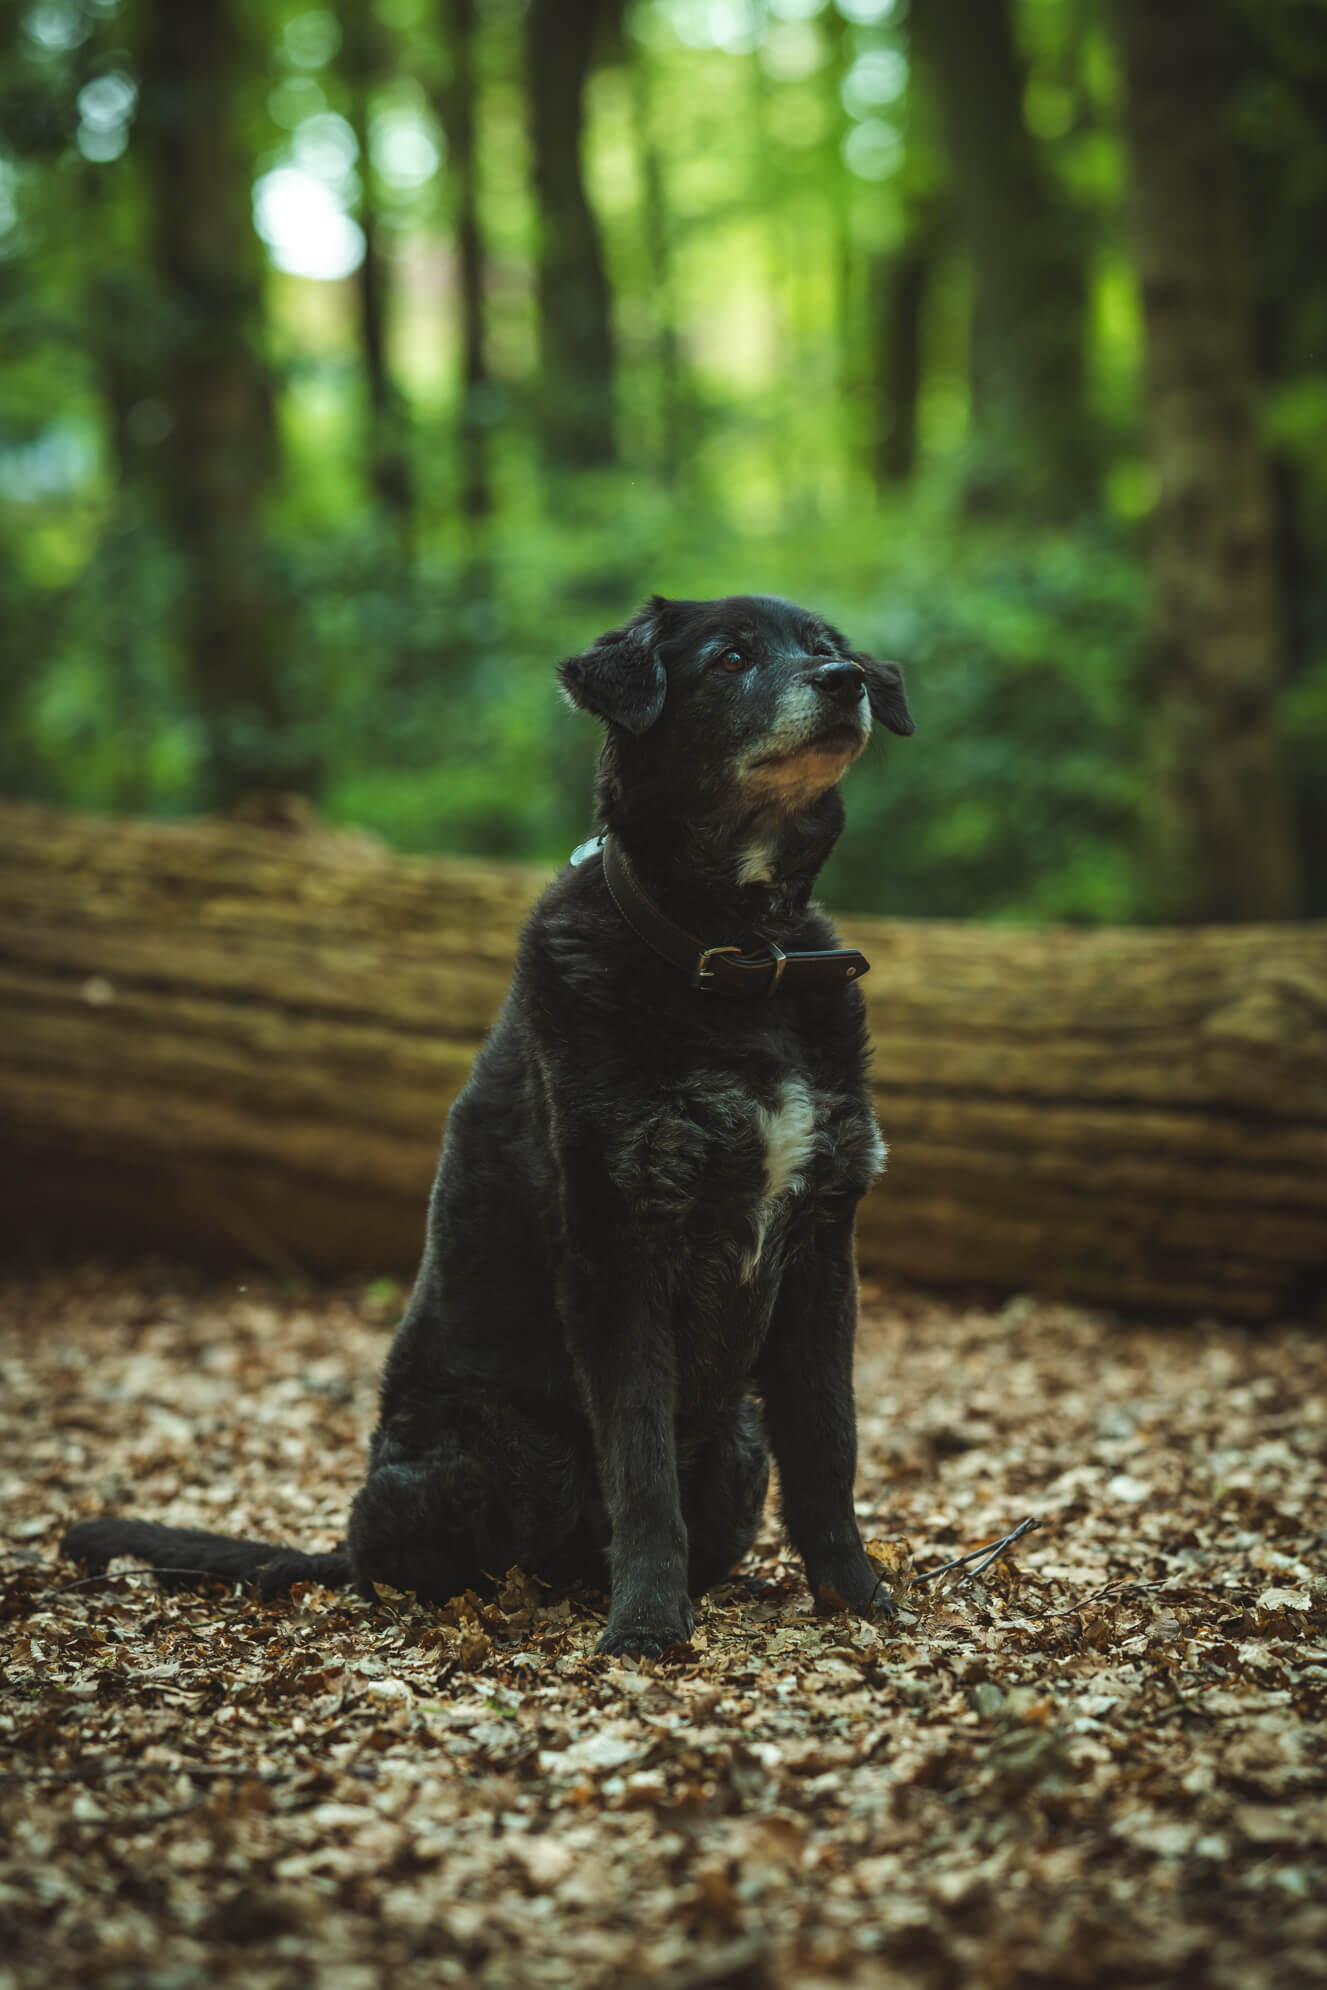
(720, 970)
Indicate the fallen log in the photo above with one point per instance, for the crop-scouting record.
(224, 1038)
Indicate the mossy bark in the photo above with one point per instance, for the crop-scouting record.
(1216, 646)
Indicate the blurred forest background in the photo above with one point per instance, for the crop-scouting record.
(359, 361)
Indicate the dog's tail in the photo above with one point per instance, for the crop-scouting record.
(187, 1557)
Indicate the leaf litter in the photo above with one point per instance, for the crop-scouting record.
(1100, 1759)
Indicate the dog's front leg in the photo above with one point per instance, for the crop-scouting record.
(805, 1376)
(622, 1344)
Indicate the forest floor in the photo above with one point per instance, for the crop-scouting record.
(1103, 1762)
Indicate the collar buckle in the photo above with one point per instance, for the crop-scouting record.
(715, 970)
(702, 975)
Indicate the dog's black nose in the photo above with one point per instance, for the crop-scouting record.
(843, 682)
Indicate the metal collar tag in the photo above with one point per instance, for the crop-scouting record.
(587, 849)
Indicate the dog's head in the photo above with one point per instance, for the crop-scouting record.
(749, 704)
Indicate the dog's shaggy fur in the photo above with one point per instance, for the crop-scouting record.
(639, 1279)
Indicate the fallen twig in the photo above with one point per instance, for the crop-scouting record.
(990, 1552)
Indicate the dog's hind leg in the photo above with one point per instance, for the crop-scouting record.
(723, 1497)
(494, 1489)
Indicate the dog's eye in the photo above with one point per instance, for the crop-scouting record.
(732, 660)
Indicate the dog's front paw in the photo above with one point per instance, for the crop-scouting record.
(830, 1602)
(640, 1634)
(857, 1587)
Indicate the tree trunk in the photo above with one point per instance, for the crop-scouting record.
(576, 354)
(1283, 176)
(218, 457)
(455, 101)
(365, 62)
(676, 424)
(1029, 322)
(898, 285)
(228, 1040)
(1216, 643)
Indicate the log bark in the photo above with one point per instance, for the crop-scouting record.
(241, 1041)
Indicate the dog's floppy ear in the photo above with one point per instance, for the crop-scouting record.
(885, 694)
(619, 678)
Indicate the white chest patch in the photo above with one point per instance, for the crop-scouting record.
(788, 1130)
(756, 865)
(789, 1134)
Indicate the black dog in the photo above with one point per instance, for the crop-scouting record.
(645, 1203)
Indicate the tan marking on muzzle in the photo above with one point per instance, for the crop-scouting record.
(795, 779)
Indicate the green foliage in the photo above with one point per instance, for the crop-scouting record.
(753, 170)
(1022, 795)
